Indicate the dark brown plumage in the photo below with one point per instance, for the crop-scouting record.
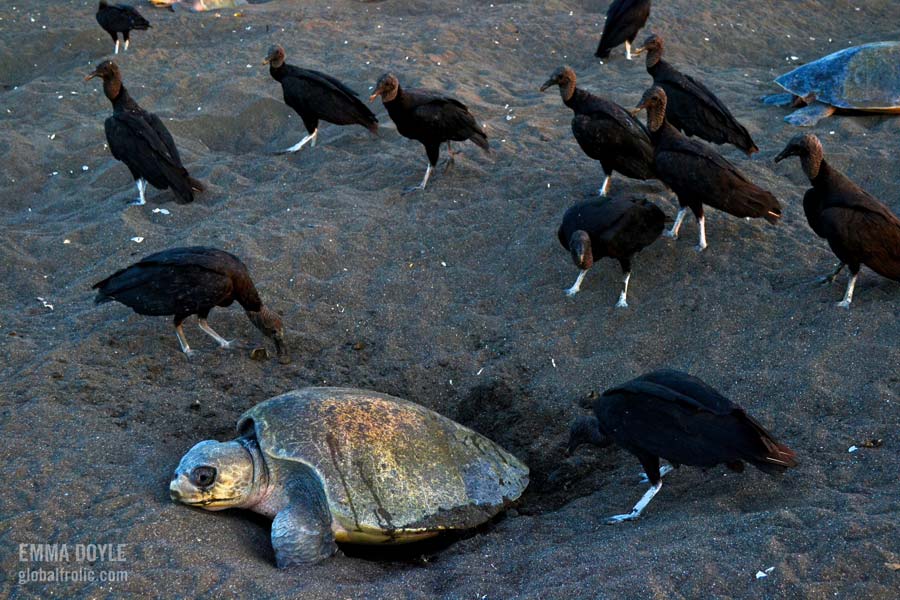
(698, 174)
(691, 106)
(672, 415)
(191, 281)
(120, 18)
(860, 230)
(139, 139)
(429, 117)
(317, 96)
(624, 19)
(618, 228)
(605, 131)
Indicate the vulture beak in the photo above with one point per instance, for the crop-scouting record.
(92, 75)
(784, 154)
(549, 83)
(638, 51)
(374, 95)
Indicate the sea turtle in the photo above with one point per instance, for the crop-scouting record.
(348, 465)
(862, 78)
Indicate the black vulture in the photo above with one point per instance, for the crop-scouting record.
(429, 117)
(672, 415)
(605, 131)
(860, 229)
(698, 174)
(317, 96)
(139, 139)
(691, 106)
(618, 228)
(192, 281)
(624, 19)
(120, 18)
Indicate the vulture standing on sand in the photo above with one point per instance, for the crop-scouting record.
(617, 228)
(624, 19)
(691, 107)
(317, 96)
(605, 131)
(139, 139)
(429, 117)
(120, 18)
(191, 281)
(698, 174)
(860, 229)
(672, 415)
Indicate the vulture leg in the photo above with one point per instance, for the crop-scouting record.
(701, 246)
(142, 188)
(604, 189)
(117, 45)
(830, 278)
(663, 471)
(673, 233)
(182, 341)
(848, 296)
(639, 507)
(125, 37)
(422, 185)
(622, 303)
(451, 157)
(627, 49)
(209, 330)
(309, 138)
(577, 285)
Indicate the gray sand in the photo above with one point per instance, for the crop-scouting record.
(452, 298)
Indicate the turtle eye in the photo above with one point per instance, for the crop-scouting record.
(203, 476)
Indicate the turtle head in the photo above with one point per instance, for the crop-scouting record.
(387, 87)
(808, 148)
(580, 247)
(215, 476)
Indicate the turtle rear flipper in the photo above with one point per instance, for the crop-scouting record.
(301, 531)
(779, 100)
(810, 115)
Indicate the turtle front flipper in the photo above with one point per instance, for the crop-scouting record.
(810, 115)
(779, 99)
(301, 531)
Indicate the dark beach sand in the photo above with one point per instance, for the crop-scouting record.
(452, 298)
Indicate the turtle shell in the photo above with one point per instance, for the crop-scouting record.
(392, 470)
(863, 77)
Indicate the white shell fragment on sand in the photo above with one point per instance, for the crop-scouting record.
(761, 574)
(852, 449)
(45, 303)
(162, 211)
(137, 239)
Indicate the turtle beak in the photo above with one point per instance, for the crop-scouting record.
(549, 83)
